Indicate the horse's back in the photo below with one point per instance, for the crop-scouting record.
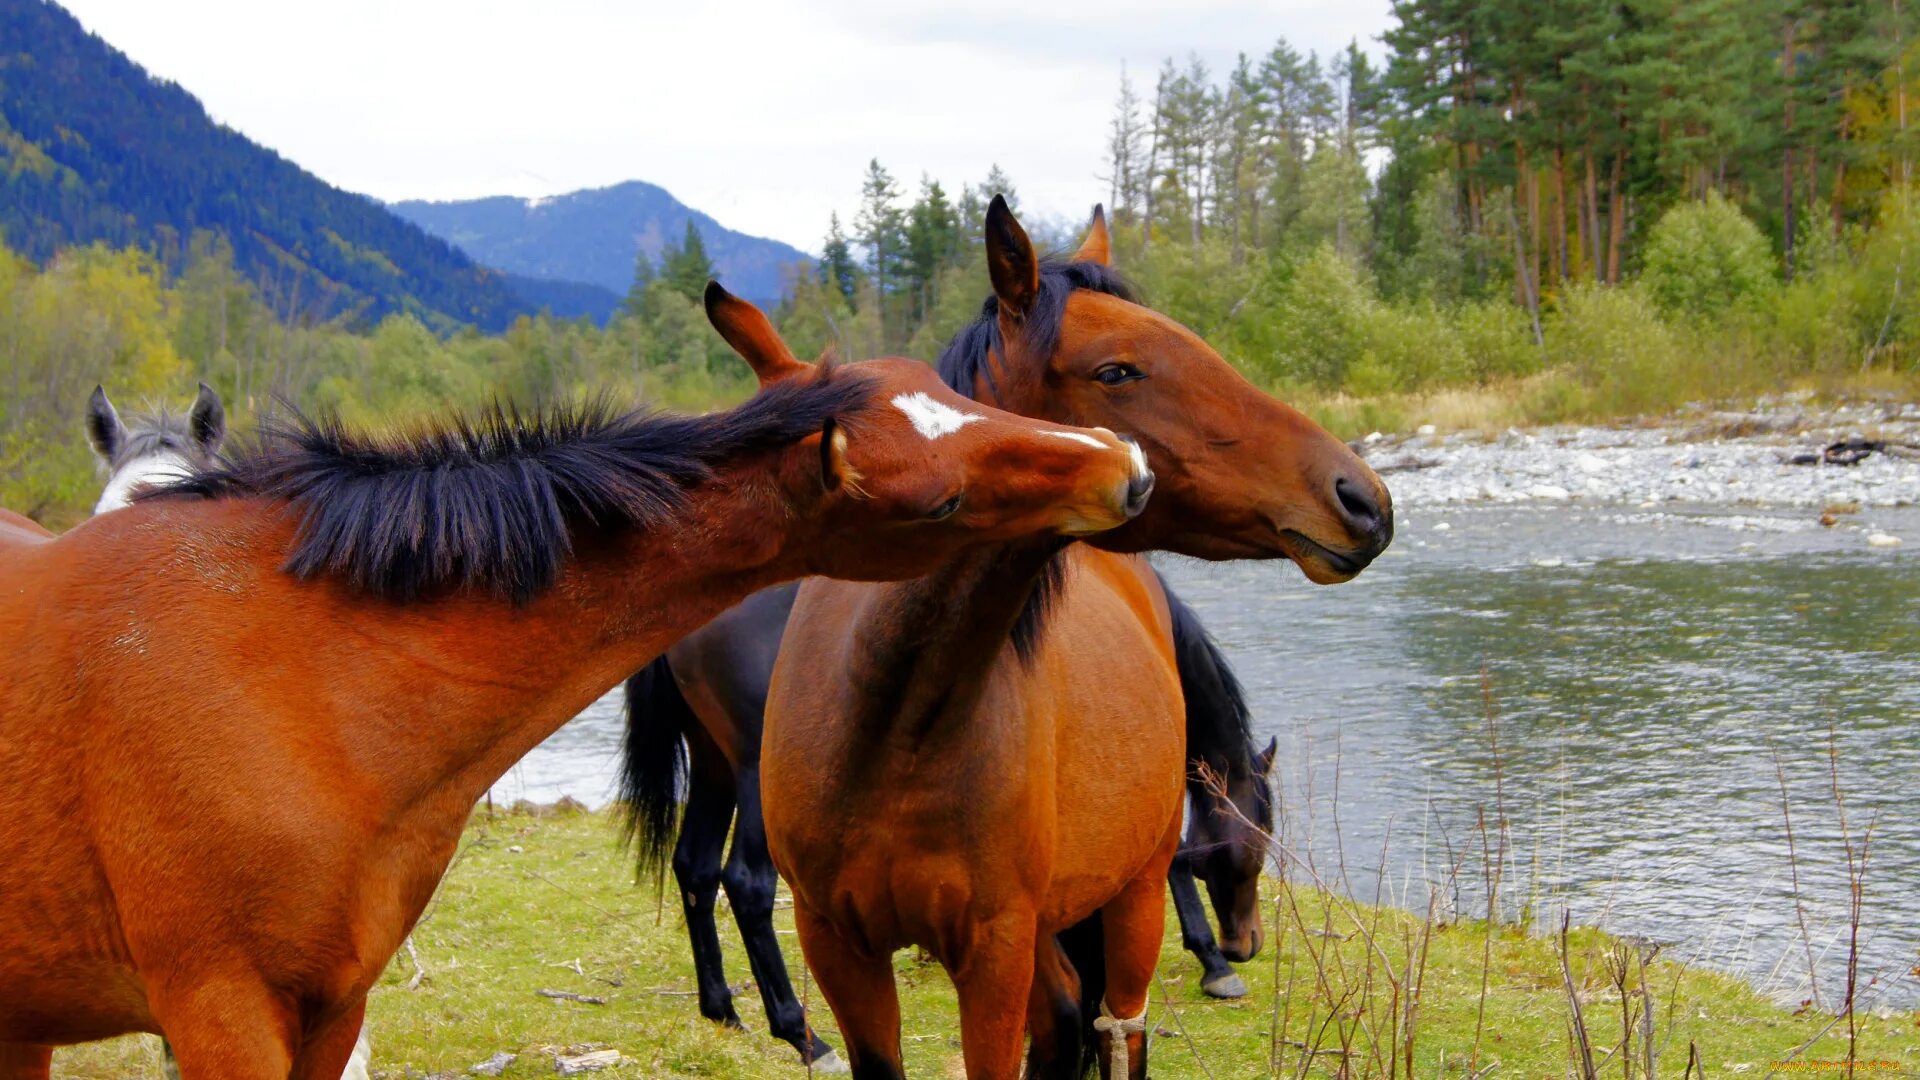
(19, 531)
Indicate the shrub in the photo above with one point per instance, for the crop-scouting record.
(1309, 322)
(1497, 339)
(1703, 258)
(1615, 344)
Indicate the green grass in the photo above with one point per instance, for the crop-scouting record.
(530, 897)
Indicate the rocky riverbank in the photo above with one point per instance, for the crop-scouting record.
(1770, 456)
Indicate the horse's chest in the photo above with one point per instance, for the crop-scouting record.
(916, 833)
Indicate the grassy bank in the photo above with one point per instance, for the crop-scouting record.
(547, 903)
(1560, 396)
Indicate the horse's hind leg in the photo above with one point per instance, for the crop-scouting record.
(696, 868)
(1217, 976)
(1132, 922)
(332, 1052)
(861, 992)
(25, 1061)
(751, 880)
(1053, 1015)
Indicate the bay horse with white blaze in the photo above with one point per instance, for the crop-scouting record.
(983, 758)
(252, 716)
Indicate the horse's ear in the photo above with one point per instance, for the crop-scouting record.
(1265, 761)
(749, 332)
(1098, 246)
(1010, 261)
(835, 471)
(104, 429)
(208, 420)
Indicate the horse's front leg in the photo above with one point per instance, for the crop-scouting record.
(995, 979)
(751, 884)
(1217, 976)
(860, 990)
(228, 1027)
(1133, 922)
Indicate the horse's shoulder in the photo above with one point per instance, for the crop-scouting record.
(1126, 579)
(1111, 607)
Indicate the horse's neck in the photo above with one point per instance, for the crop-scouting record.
(926, 649)
(467, 685)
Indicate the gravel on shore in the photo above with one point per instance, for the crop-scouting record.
(1703, 458)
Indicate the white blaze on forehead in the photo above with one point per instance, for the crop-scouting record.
(134, 475)
(1077, 437)
(931, 418)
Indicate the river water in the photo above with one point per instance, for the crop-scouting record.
(1639, 670)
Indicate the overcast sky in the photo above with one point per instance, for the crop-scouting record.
(760, 113)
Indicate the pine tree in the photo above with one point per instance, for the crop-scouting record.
(998, 183)
(932, 240)
(837, 268)
(1125, 153)
(686, 268)
(880, 228)
(635, 304)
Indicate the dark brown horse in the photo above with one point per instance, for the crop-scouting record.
(985, 757)
(244, 723)
(1229, 810)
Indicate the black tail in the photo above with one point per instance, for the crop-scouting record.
(1085, 944)
(1219, 721)
(653, 765)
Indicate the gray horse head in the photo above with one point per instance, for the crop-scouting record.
(156, 447)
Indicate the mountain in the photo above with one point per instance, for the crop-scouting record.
(92, 148)
(566, 299)
(592, 236)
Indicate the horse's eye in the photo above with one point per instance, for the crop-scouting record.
(1116, 373)
(944, 510)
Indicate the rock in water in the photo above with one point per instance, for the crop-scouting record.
(1881, 539)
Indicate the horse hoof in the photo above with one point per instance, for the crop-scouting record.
(831, 1062)
(1227, 987)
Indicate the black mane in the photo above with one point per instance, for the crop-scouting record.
(1219, 720)
(965, 359)
(493, 502)
(964, 364)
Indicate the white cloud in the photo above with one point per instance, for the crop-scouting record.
(763, 114)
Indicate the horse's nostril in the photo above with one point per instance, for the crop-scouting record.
(1139, 487)
(1360, 506)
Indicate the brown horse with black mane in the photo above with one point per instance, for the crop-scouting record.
(984, 758)
(243, 723)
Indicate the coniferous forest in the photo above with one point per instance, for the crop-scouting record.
(1526, 212)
